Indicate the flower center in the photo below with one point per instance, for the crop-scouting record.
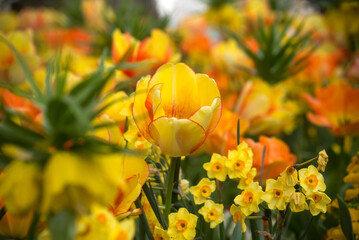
(181, 225)
(312, 181)
(249, 179)
(102, 218)
(206, 191)
(238, 165)
(159, 237)
(290, 170)
(237, 217)
(212, 214)
(277, 193)
(317, 198)
(217, 167)
(248, 197)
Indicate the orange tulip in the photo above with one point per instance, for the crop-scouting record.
(176, 108)
(336, 107)
(154, 50)
(277, 156)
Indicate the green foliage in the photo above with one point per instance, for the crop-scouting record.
(345, 219)
(218, 3)
(62, 225)
(278, 56)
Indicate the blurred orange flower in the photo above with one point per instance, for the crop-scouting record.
(277, 156)
(224, 137)
(336, 107)
(75, 38)
(155, 50)
(19, 104)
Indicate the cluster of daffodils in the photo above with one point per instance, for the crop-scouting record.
(298, 190)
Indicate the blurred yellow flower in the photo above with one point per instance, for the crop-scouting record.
(289, 176)
(203, 190)
(212, 213)
(250, 198)
(239, 161)
(20, 186)
(297, 202)
(318, 202)
(311, 180)
(176, 108)
(182, 225)
(238, 215)
(101, 224)
(77, 181)
(277, 194)
(216, 167)
(322, 160)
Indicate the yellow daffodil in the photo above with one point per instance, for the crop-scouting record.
(238, 215)
(289, 176)
(135, 141)
(297, 202)
(311, 180)
(172, 117)
(212, 213)
(322, 160)
(248, 179)
(160, 234)
(182, 225)
(277, 194)
(239, 161)
(250, 198)
(203, 190)
(318, 202)
(216, 167)
(20, 186)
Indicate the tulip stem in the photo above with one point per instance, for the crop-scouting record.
(174, 166)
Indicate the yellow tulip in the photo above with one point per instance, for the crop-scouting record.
(176, 108)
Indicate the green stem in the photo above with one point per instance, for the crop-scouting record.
(143, 219)
(154, 205)
(170, 180)
(254, 228)
(254, 218)
(303, 163)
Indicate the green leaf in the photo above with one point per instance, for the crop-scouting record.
(345, 219)
(65, 119)
(62, 225)
(237, 232)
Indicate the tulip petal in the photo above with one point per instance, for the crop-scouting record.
(176, 137)
(175, 103)
(209, 85)
(140, 112)
(208, 116)
(135, 165)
